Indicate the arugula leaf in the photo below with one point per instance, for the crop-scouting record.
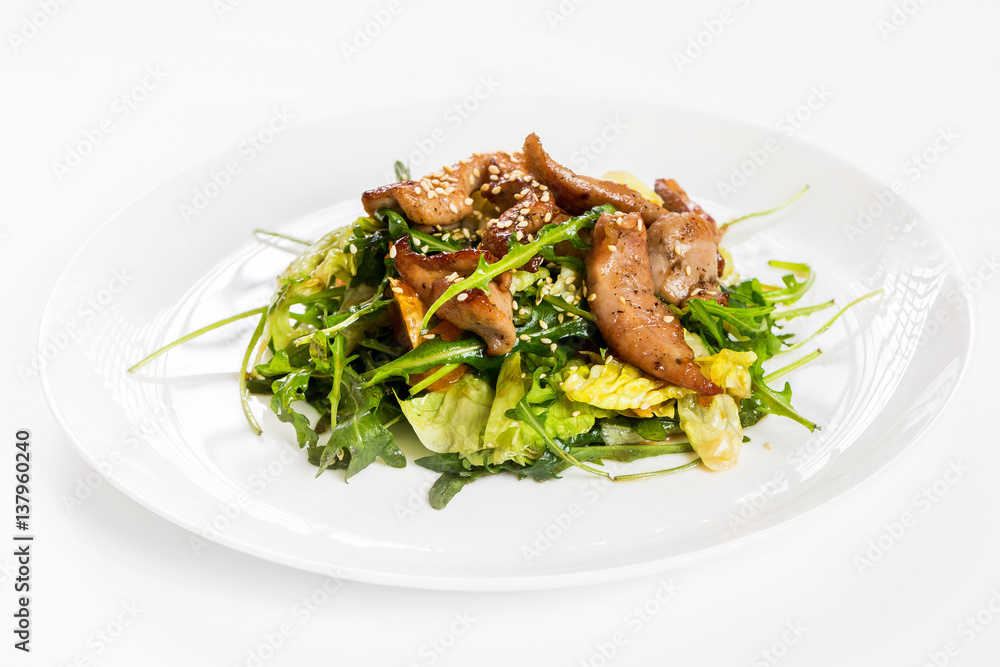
(399, 227)
(794, 289)
(279, 364)
(518, 255)
(627, 453)
(434, 353)
(549, 254)
(287, 390)
(445, 488)
(360, 435)
(777, 402)
(402, 171)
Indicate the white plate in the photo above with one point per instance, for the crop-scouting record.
(174, 438)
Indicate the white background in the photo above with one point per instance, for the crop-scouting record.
(227, 67)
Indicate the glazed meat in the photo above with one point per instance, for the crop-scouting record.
(683, 257)
(488, 315)
(676, 200)
(442, 198)
(683, 247)
(578, 194)
(533, 210)
(639, 327)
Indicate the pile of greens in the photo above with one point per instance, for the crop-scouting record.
(559, 399)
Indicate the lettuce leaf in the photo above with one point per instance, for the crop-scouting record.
(730, 370)
(713, 427)
(453, 420)
(623, 387)
(507, 439)
(567, 418)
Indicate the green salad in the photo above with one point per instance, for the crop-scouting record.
(367, 346)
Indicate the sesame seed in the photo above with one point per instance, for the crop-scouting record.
(431, 194)
(494, 177)
(591, 297)
(468, 201)
(524, 311)
(524, 337)
(542, 376)
(622, 299)
(548, 216)
(644, 406)
(425, 248)
(462, 297)
(640, 226)
(397, 290)
(562, 318)
(439, 190)
(494, 169)
(476, 172)
(496, 190)
(392, 252)
(429, 336)
(553, 347)
(668, 318)
(612, 248)
(547, 341)
(678, 249)
(353, 249)
(417, 190)
(519, 235)
(687, 269)
(543, 324)
(543, 188)
(453, 208)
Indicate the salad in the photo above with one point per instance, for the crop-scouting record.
(522, 319)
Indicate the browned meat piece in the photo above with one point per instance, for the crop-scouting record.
(676, 200)
(683, 257)
(532, 211)
(440, 199)
(639, 327)
(488, 315)
(578, 194)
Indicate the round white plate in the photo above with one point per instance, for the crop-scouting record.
(182, 256)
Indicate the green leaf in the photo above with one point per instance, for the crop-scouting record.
(359, 436)
(288, 390)
(398, 227)
(767, 212)
(452, 420)
(627, 453)
(518, 255)
(402, 171)
(445, 488)
(778, 402)
(278, 365)
(537, 423)
(434, 353)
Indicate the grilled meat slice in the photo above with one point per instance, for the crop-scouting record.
(640, 328)
(487, 315)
